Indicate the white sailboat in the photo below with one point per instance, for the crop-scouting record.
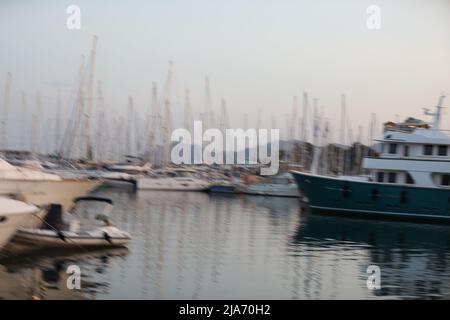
(282, 185)
(173, 180)
(130, 168)
(13, 214)
(40, 188)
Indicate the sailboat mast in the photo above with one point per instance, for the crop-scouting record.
(129, 125)
(89, 151)
(187, 111)
(294, 117)
(58, 123)
(24, 122)
(6, 102)
(75, 148)
(155, 117)
(101, 145)
(35, 124)
(208, 103)
(343, 119)
(167, 117)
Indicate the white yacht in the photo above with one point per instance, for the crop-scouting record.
(282, 185)
(41, 188)
(173, 180)
(410, 178)
(13, 214)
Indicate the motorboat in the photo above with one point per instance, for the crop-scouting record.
(282, 185)
(225, 184)
(114, 178)
(132, 165)
(78, 232)
(173, 180)
(40, 188)
(13, 213)
(408, 179)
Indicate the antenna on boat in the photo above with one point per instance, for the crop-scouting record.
(437, 114)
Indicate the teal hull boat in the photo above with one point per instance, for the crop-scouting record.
(373, 200)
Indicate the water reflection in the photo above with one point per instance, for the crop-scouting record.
(200, 246)
(41, 275)
(414, 258)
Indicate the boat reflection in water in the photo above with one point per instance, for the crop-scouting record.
(414, 259)
(44, 275)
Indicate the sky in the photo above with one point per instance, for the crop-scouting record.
(257, 54)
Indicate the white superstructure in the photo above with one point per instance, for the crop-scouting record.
(413, 153)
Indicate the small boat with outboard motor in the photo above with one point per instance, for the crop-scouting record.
(78, 232)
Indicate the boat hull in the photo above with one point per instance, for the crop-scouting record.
(219, 188)
(10, 224)
(45, 192)
(373, 200)
(31, 238)
(171, 184)
(273, 190)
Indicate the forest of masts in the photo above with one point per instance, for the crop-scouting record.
(91, 131)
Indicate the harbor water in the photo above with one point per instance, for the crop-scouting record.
(194, 245)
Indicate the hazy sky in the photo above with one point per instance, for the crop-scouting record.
(258, 54)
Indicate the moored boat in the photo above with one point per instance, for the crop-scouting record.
(13, 214)
(410, 179)
(56, 233)
(282, 185)
(40, 188)
(173, 180)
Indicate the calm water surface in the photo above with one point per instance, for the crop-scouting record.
(198, 246)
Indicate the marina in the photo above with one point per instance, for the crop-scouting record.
(226, 151)
(196, 246)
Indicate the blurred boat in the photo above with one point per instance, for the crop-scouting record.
(173, 180)
(408, 179)
(40, 188)
(13, 214)
(224, 187)
(225, 184)
(132, 165)
(56, 233)
(282, 185)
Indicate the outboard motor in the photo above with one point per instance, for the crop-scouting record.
(53, 218)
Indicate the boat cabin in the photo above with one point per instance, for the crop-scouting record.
(412, 153)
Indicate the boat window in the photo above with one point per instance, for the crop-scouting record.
(393, 148)
(406, 151)
(392, 177)
(442, 150)
(409, 179)
(428, 149)
(380, 176)
(445, 179)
